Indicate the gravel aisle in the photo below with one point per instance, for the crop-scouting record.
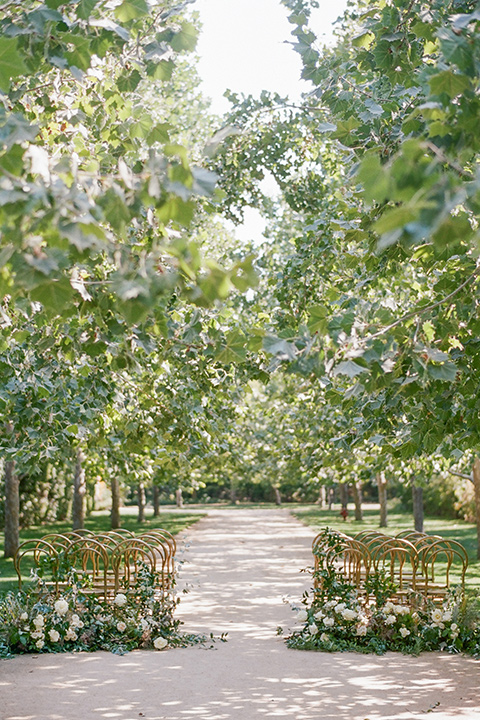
(239, 564)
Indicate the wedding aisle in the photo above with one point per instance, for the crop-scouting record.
(238, 565)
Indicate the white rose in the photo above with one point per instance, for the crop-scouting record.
(302, 616)
(319, 615)
(144, 624)
(361, 630)
(37, 634)
(404, 632)
(121, 627)
(454, 627)
(447, 616)
(324, 638)
(38, 621)
(24, 616)
(388, 608)
(39, 644)
(390, 620)
(71, 634)
(312, 629)
(120, 600)
(328, 622)
(61, 607)
(401, 610)
(437, 616)
(54, 635)
(339, 608)
(348, 614)
(159, 643)
(75, 621)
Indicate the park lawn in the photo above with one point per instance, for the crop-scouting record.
(459, 530)
(99, 522)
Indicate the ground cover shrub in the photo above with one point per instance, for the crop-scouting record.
(337, 616)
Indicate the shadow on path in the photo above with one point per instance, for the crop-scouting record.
(239, 564)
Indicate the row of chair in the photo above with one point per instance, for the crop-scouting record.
(416, 564)
(109, 562)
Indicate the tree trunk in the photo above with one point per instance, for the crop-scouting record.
(322, 497)
(357, 499)
(64, 500)
(278, 497)
(12, 510)
(417, 496)
(179, 497)
(156, 501)
(79, 491)
(233, 493)
(382, 483)
(343, 492)
(115, 514)
(141, 501)
(331, 497)
(476, 483)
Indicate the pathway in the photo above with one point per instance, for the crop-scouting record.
(238, 566)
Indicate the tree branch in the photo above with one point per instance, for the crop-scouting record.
(461, 475)
(427, 308)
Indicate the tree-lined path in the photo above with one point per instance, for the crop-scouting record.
(238, 566)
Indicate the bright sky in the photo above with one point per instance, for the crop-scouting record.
(244, 46)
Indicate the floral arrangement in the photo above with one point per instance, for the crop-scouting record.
(36, 620)
(336, 616)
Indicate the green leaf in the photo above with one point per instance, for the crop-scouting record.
(394, 218)
(447, 371)
(54, 295)
(349, 368)
(375, 179)
(131, 10)
(317, 321)
(450, 83)
(186, 39)
(85, 7)
(11, 62)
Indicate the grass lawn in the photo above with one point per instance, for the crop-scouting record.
(174, 522)
(458, 530)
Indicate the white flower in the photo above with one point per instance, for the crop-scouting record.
(454, 635)
(313, 629)
(39, 644)
(361, 630)
(437, 616)
(302, 616)
(38, 621)
(329, 622)
(348, 614)
(390, 620)
(54, 635)
(61, 607)
(24, 616)
(388, 608)
(159, 643)
(447, 616)
(121, 627)
(144, 624)
(454, 627)
(404, 632)
(319, 615)
(330, 604)
(324, 638)
(401, 610)
(339, 608)
(120, 600)
(75, 621)
(71, 634)
(37, 634)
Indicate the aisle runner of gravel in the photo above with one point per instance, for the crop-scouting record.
(239, 564)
